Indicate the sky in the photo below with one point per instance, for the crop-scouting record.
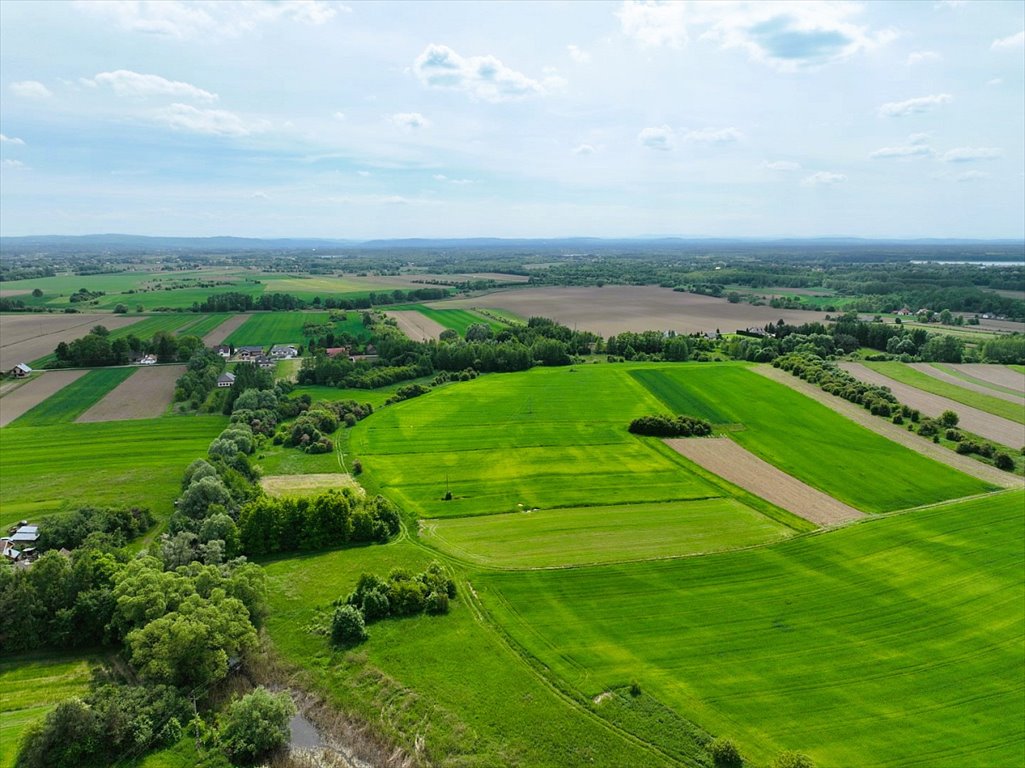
(523, 119)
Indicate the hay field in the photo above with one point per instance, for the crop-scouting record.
(27, 396)
(1000, 375)
(613, 309)
(417, 326)
(963, 381)
(224, 330)
(146, 394)
(26, 337)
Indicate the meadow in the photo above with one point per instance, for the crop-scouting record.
(868, 645)
(70, 402)
(456, 319)
(266, 328)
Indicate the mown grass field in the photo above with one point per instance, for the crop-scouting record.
(926, 383)
(957, 373)
(450, 679)
(64, 466)
(375, 397)
(32, 685)
(204, 324)
(805, 439)
(894, 642)
(267, 328)
(456, 319)
(602, 534)
(76, 398)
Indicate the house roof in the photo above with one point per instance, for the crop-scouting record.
(19, 536)
(250, 348)
(226, 376)
(28, 529)
(23, 368)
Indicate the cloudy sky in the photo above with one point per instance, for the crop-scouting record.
(365, 119)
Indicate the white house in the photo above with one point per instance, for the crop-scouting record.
(226, 379)
(283, 351)
(20, 371)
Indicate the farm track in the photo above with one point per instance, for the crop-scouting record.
(739, 466)
(224, 330)
(894, 432)
(984, 424)
(416, 326)
(936, 373)
(1000, 375)
(30, 394)
(145, 394)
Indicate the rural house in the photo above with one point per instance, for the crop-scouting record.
(20, 371)
(283, 352)
(224, 350)
(335, 351)
(265, 362)
(249, 352)
(225, 380)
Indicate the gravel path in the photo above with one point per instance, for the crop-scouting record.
(984, 424)
(892, 431)
(32, 393)
(982, 389)
(741, 467)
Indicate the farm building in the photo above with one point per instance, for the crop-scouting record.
(25, 534)
(283, 351)
(249, 352)
(148, 360)
(224, 350)
(335, 351)
(20, 371)
(265, 362)
(225, 380)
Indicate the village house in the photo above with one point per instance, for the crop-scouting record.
(265, 362)
(20, 371)
(225, 380)
(19, 546)
(283, 351)
(224, 350)
(249, 352)
(336, 351)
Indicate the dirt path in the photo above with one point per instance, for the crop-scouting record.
(224, 330)
(32, 393)
(143, 395)
(893, 431)
(741, 467)
(982, 389)
(1000, 375)
(984, 424)
(416, 326)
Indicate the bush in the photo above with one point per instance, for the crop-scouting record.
(788, 759)
(347, 626)
(724, 753)
(256, 725)
(1004, 462)
(949, 419)
(670, 426)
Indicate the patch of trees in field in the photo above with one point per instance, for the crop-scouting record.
(97, 349)
(670, 426)
(200, 378)
(236, 301)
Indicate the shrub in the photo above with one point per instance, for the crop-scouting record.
(436, 603)
(256, 725)
(1004, 462)
(788, 759)
(724, 753)
(635, 689)
(670, 426)
(348, 626)
(949, 419)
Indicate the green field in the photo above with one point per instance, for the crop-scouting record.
(267, 328)
(375, 397)
(31, 687)
(895, 642)
(456, 319)
(923, 381)
(806, 439)
(602, 534)
(76, 398)
(65, 466)
(1018, 368)
(204, 324)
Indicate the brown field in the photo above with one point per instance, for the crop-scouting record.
(984, 424)
(224, 330)
(936, 373)
(414, 280)
(143, 395)
(894, 432)
(26, 337)
(303, 485)
(5, 292)
(17, 401)
(1000, 375)
(616, 308)
(1019, 295)
(741, 467)
(999, 326)
(416, 326)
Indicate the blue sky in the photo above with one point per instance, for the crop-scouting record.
(525, 119)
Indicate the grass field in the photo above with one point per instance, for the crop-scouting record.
(76, 398)
(268, 328)
(895, 642)
(1018, 368)
(977, 381)
(32, 685)
(806, 439)
(602, 534)
(926, 383)
(456, 319)
(64, 466)
(204, 324)
(375, 397)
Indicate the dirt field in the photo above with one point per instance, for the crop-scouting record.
(617, 308)
(1000, 375)
(224, 330)
(416, 326)
(17, 401)
(143, 395)
(1007, 294)
(5, 292)
(26, 337)
(894, 432)
(303, 485)
(936, 373)
(981, 423)
(741, 467)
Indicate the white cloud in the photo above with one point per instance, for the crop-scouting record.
(659, 137)
(584, 149)
(31, 89)
(127, 83)
(902, 152)
(918, 57)
(579, 55)
(1011, 41)
(447, 180)
(409, 120)
(654, 23)
(483, 77)
(972, 176)
(914, 106)
(259, 196)
(211, 122)
(781, 165)
(971, 154)
(14, 165)
(995, 81)
(11, 140)
(715, 136)
(440, 177)
(204, 18)
(339, 116)
(920, 138)
(823, 178)
(364, 174)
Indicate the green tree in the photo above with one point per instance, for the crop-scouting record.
(256, 725)
(724, 753)
(789, 759)
(949, 419)
(348, 626)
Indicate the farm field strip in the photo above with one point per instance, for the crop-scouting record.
(805, 439)
(741, 467)
(827, 644)
(587, 535)
(456, 319)
(999, 376)
(969, 466)
(416, 325)
(963, 381)
(218, 334)
(73, 399)
(267, 328)
(25, 338)
(981, 422)
(149, 326)
(145, 395)
(204, 325)
(30, 394)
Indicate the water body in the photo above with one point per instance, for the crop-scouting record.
(303, 734)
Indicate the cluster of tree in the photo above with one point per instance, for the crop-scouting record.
(725, 754)
(236, 301)
(653, 344)
(836, 381)
(96, 348)
(118, 526)
(84, 294)
(407, 393)
(403, 593)
(446, 376)
(336, 517)
(25, 272)
(1005, 349)
(262, 409)
(670, 426)
(200, 378)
